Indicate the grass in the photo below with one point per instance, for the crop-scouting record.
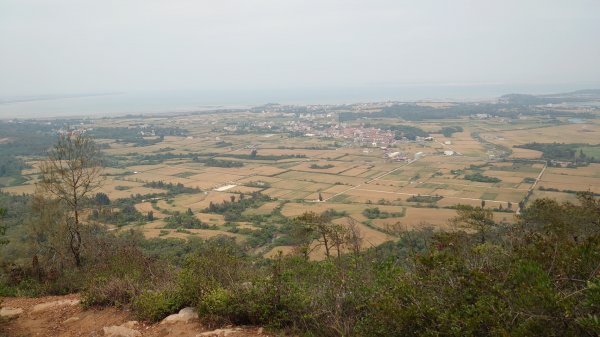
(590, 151)
(489, 196)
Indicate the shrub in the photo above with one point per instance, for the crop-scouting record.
(153, 306)
(122, 276)
(216, 307)
(106, 290)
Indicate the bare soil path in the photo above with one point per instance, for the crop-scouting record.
(63, 316)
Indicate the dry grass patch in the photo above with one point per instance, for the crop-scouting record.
(145, 207)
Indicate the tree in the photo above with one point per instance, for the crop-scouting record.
(189, 211)
(49, 231)
(253, 153)
(102, 199)
(475, 218)
(70, 174)
(354, 238)
(2, 227)
(150, 216)
(320, 228)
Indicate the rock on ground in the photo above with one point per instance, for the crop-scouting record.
(121, 331)
(184, 315)
(10, 312)
(219, 332)
(54, 304)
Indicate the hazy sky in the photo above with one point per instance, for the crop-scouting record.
(80, 46)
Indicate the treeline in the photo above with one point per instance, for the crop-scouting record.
(172, 189)
(256, 156)
(23, 138)
(563, 152)
(321, 167)
(407, 131)
(232, 209)
(376, 213)
(477, 176)
(414, 112)
(137, 135)
(552, 189)
(185, 220)
(222, 163)
(448, 131)
(206, 157)
(424, 198)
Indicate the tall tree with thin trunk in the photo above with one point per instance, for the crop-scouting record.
(71, 173)
(2, 227)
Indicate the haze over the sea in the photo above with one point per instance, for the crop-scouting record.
(185, 55)
(110, 104)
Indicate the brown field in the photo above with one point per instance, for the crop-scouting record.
(567, 182)
(264, 209)
(558, 196)
(320, 177)
(525, 153)
(200, 233)
(145, 207)
(592, 170)
(21, 189)
(568, 134)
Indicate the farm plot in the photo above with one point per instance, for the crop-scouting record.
(464, 144)
(21, 189)
(573, 183)
(266, 208)
(145, 207)
(320, 178)
(592, 170)
(568, 134)
(357, 170)
(116, 189)
(196, 202)
(419, 218)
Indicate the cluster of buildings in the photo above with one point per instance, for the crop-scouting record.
(369, 136)
(361, 135)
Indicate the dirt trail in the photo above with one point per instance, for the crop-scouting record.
(62, 316)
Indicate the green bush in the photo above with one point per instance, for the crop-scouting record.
(153, 306)
(123, 276)
(216, 307)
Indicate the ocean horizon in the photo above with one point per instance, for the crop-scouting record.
(156, 102)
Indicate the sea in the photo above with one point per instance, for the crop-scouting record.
(169, 101)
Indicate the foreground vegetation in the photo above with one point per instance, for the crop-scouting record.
(540, 276)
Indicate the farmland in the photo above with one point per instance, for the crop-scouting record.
(280, 165)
